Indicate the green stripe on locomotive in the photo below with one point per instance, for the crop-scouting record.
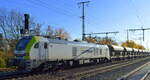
(29, 46)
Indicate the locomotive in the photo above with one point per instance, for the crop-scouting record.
(39, 52)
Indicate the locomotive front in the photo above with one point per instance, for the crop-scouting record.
(21, 51)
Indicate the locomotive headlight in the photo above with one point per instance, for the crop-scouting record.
(19, 53)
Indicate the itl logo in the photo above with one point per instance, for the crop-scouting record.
(90, 50)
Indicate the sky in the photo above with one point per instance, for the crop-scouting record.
(100, 16)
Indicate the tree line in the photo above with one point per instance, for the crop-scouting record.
(110, 41)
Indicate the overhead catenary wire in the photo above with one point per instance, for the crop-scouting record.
(142, 29)
(66, 6)
(33, 5)
(50, 8)
(67, 11)
(37, 5)
(137, 13)
(139, 19)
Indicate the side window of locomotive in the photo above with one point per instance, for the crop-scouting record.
(106, 50)
(74, 51)
(45, 45)
(100, 51)
(36, 45)
(96, 51)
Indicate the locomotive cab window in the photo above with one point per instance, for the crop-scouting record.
(36, 45)
(45, 45)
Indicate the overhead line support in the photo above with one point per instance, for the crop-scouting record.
(142, 29)
(83, 17)
(103, 33)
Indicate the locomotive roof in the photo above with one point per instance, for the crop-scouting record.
(73, 42)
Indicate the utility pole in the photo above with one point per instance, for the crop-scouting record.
(142, 29)
(127, 35)
(104, 33)
(83, 18)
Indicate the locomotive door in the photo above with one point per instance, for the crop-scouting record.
(43, 51)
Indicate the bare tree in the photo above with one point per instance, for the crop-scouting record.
(38, 29)
(61, 33)
(50, 32)
(11, 22)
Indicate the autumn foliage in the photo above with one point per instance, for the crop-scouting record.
(107, 42)
(90, 40)
(102, 41)
(132, 44)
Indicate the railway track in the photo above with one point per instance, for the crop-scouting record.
(6, 69)
(13, 74)
(140, 73)
(137, 74)
(91, 72)
(146, 76)
(75, 73)
(17, 74)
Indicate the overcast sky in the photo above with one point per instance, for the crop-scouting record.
(101, 16)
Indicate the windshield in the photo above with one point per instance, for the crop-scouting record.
(21, 45)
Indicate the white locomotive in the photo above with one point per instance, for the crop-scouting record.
(35, 52)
